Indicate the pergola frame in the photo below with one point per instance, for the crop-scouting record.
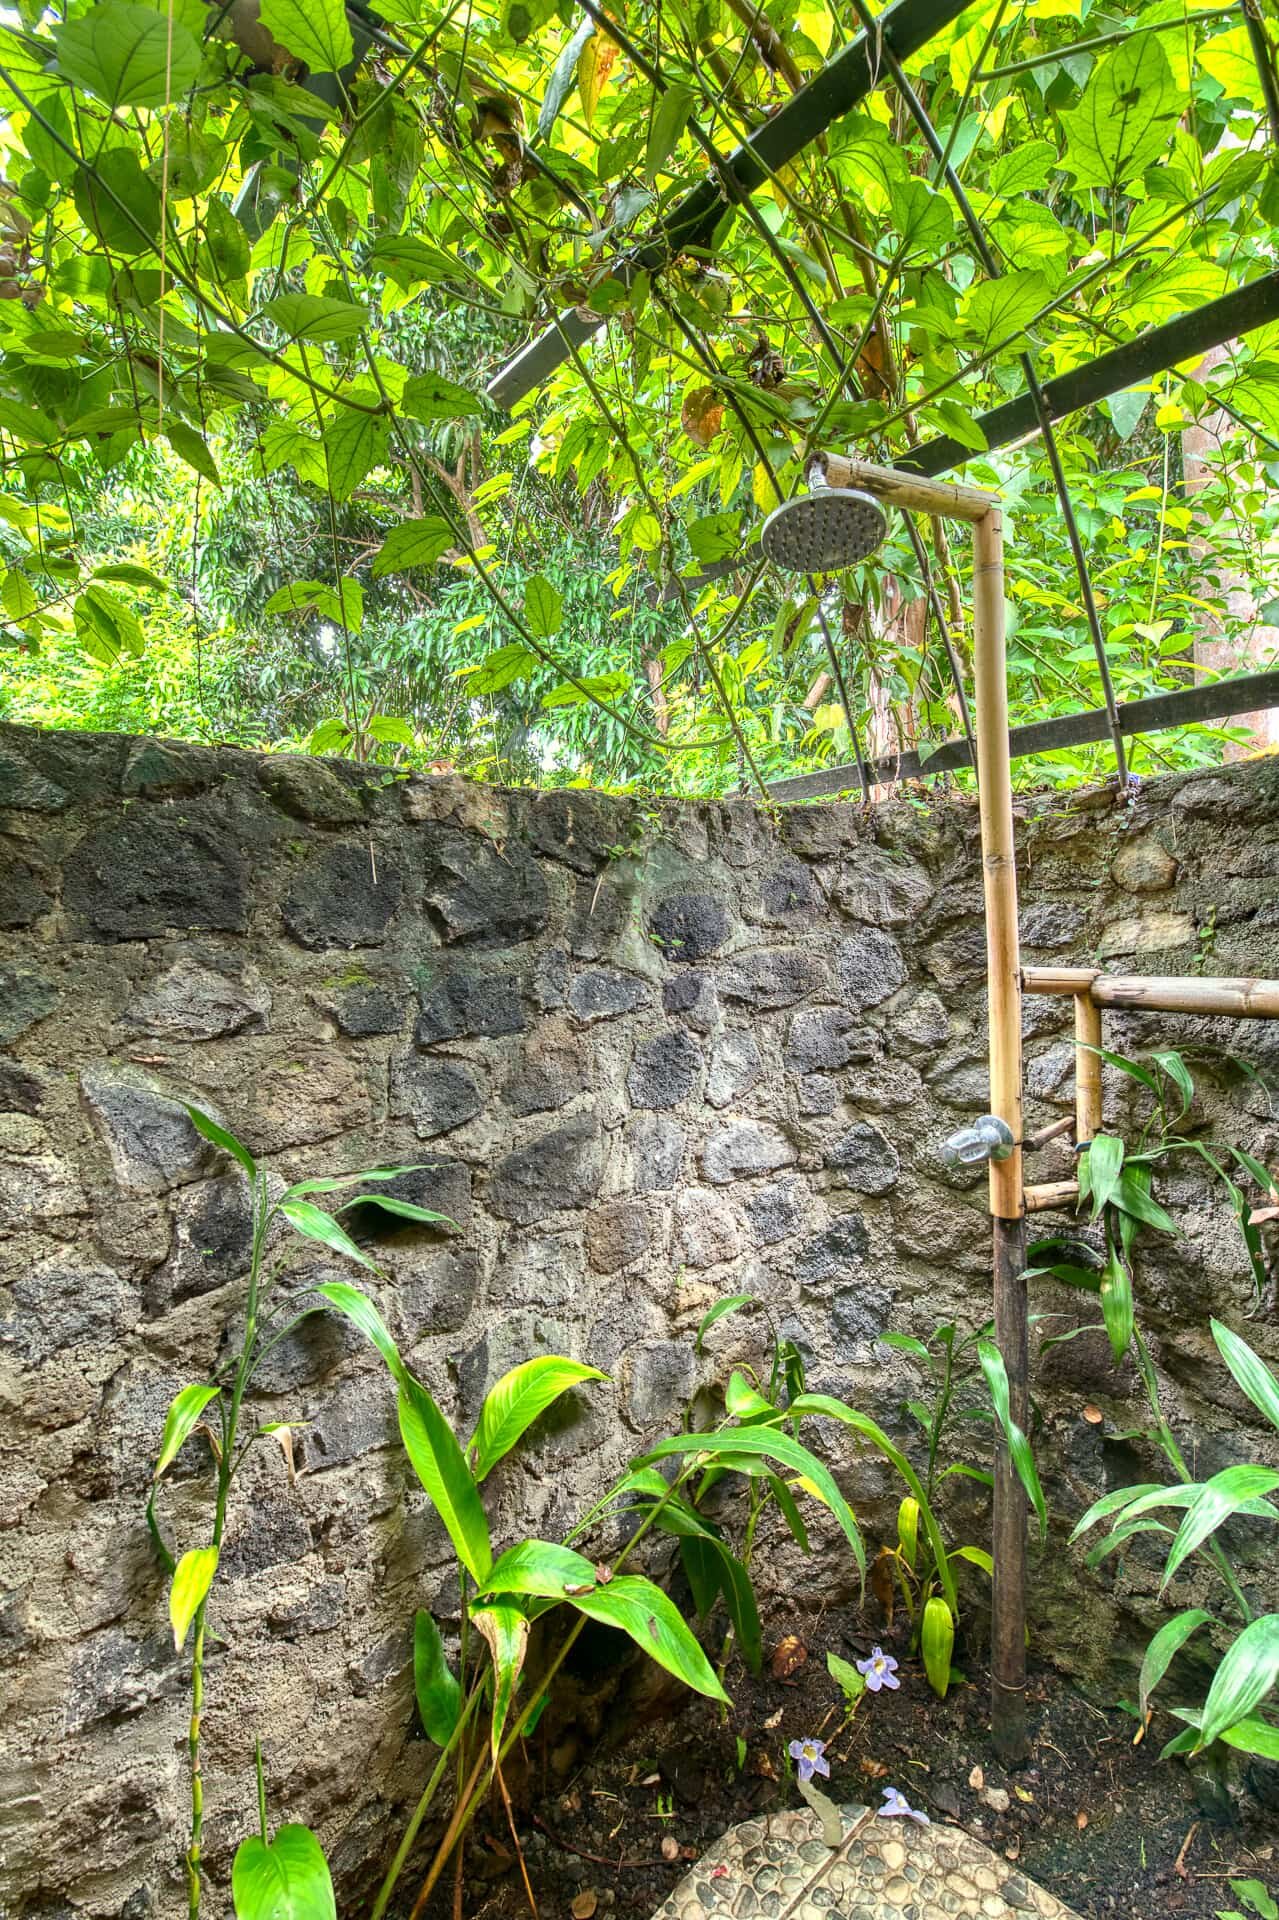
(912, 485)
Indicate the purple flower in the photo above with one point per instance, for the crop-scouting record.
(880, 1670)
(809, 1756)
(895, 1802)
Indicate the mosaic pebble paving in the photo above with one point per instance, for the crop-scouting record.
(782, 1869)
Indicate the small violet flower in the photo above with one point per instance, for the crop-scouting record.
(808, 1755)
(880, 1670)
(895, 1802)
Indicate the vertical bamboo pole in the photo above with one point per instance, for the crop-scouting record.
(1087, 1068)
(1003, 990)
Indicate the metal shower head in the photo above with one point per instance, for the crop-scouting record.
(823, 530)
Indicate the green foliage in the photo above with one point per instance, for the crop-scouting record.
(254, 280)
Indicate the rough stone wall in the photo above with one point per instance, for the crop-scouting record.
(650, 1054)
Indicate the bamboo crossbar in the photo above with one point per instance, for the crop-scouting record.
(942, 498)
(1051, 1193)
(1244, 999)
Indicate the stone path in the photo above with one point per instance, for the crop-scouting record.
(781, 1869)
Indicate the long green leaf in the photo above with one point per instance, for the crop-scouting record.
(362, 1313)
(1167, 1643)
(1251, 1373)
(992, 1366)
(766, 1442)
(823, 1403)
(731, 1303)
(438, 1462)
(336, 1182)
(539, 1567)
(1105, 1161)
(192, 1578)
(1246, 1675)
(314, 1224)
(511, 1407)
(287, 1879)
(1215, 1501)
(1117, 1308)
(439, 1697)
(645, 1613)
(505, 1631)
(219, 1137)
(937, 1643)
(179, 1422)
(1112, 1503)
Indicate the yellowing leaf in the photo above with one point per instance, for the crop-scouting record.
(595, 63)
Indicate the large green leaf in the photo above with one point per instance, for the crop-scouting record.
(353, 443)
(655, 1625)
(1231, 1491)
(416, 543)
(1168, 1642)
(180, 1421)
(438, 1462)
(128, 55)
(285, 1879)
(429, 396)
(313, 1223)
(511, 1407)
(543, 608)
(996, 312)
(192, 1578)
(1246, 1675)
(1251, 1373)
(539, 1567)
(362, 1313)
(439, 1697)
(746, 1443)
(505, 1631)
(670, 117)
(314, 316)
(1105, 1161)
(1117, 1309)
(316, 32)
(869, 1429)
(996, 1376)
(1125, 120)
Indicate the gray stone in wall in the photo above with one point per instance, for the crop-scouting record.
(689, 926)
(776, 1211)
(194, 1002)
(41, 1188)
(657, 1150)
(20, 1090)
(706, 1229)
(561, 1170)
(774, 977)
(666, 1071)
(1050, 925)
(744, 1148)
(362, 1010)
(886, 889)
(115, 1675)
(548, 985)
(482, 894)
(884, 1086)
(603, 993)
(22, 898)
(346, 1421)
(212, 1239)
(505, 1343)
(65, 1302)
(864, 1160)
(816, 1094)
(343, 897)
(858, 1315)
(580, 830)
(149, 870)
(830, 1253)
(824, 1038)
(435, 1291)
(869, 966)
(924, 1023)
(789, 895)
(311, 1351)
(155, 770)
(658, 1383)
(958, 958)
(22, 787)
(601, 917)
(736, 1067)
(151, 1141)
(26, 998)
(461, 1002)
(618, 1234)
(309, 790)
(440, 1184)
(553, 1069)
(692, 998)
(436, 1094)
(548, 1272)
(272, 1532)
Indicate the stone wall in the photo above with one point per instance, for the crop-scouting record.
(648, 1054)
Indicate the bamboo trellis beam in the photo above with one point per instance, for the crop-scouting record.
(1240, 998)
(939, 497)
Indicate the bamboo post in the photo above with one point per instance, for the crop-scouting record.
(1003, 972)
(1087, 1068)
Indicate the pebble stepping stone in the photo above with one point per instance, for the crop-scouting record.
(780, 1868)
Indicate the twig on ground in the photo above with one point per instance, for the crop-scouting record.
(1179, 1864)
(599, 1859)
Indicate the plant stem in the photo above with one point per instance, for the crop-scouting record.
(257, 1748)
(420, 1811)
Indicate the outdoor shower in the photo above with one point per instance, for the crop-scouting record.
(837, 522)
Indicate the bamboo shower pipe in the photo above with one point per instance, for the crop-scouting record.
(830, 507)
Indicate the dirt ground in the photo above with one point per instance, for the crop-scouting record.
(1104, 1824)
